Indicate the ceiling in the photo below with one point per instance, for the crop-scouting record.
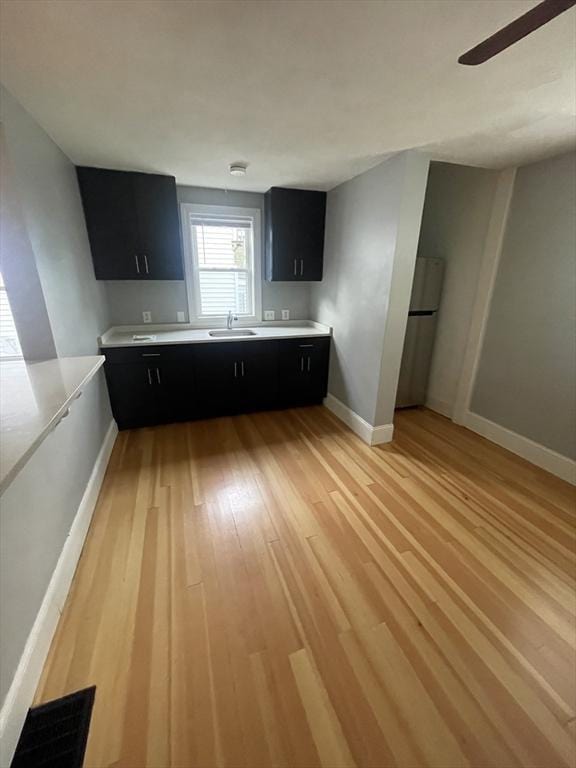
(308, 93)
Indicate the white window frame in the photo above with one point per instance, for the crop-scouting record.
(191, 269)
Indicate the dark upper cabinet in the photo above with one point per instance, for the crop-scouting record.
(133, 225)
(295, 221)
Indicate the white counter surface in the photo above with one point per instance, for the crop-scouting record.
(124, 336)
(34, 398)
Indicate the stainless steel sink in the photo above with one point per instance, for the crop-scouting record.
(232, 333)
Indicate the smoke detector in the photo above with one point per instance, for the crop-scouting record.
(237, 169)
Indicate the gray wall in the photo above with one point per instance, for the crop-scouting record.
(527, 370)
(457, 211)
(37, 509)
(50, 200)
(128, 299)
(362, 225)
(36, 512)
(412, 191)
(18, 267)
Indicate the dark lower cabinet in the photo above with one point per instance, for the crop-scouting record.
(132, 394)
(151, 385)
(304, 370)
(157, 385)
(236, 377)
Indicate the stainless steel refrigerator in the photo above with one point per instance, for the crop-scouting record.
(420, 332)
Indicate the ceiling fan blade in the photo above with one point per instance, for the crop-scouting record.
(516, 30)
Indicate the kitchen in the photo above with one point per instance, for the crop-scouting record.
(287, 446)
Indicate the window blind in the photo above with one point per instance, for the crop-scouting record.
(224, 265)
(9, 344)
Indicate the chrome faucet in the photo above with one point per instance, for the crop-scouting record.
(230, 319)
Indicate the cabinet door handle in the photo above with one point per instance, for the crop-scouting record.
(242, 367)
(302, 363)
(301, 267)
(149, 377)
(137, 263)
(295, 267)
(160, 380)
(306, 346)
(146, 263)
(235, 370)
(150, 354)
(308, 363)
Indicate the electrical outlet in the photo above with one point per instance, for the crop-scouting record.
(180, 317)
(285, 314)
(147, 317)
(269, 314)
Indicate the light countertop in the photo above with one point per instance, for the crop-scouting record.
(34, 398)
(123, 336)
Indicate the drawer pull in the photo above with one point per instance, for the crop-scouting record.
(306, 346)
(150, 354)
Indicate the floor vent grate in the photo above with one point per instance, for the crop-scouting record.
(55, 734)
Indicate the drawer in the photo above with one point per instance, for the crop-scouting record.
(316, 343)
(148, 353)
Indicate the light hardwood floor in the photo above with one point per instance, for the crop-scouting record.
(267, 590)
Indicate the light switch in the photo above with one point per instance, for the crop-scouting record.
(285, 314)
(269, 314)
(146, 317)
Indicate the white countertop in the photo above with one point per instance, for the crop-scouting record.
(123, 336)
(34, 398)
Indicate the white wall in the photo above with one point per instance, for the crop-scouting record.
(455, 221)
(526, 376)
(371, 221)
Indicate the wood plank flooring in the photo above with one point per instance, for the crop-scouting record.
(266, 590)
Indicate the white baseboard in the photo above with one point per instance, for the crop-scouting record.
(443, 407)
(364, 430)
(23, 687)
(537, 454)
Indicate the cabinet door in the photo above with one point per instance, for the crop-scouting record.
(258, 375)
(175, 388)
(217, 379)
(236, 377)
(295, 221)
(156, 209)
(133, 394)
(312, 218)
(303, 370)
(108, 200)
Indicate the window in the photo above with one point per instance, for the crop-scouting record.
(222, 254)
(9, 344)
